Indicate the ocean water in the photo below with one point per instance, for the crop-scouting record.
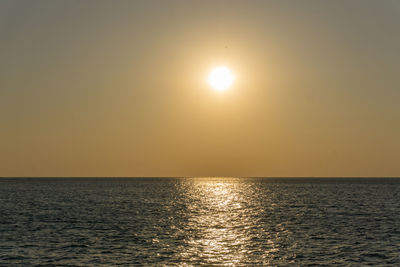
(200, 221)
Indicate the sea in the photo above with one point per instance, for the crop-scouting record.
(199, 221)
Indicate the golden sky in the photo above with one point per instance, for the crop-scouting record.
(118, 88)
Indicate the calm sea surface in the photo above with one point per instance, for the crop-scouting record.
(200, 221)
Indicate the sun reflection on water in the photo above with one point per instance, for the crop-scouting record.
(223, 219)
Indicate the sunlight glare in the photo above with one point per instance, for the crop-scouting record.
(220, 78)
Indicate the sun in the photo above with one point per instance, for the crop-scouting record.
(221, 78)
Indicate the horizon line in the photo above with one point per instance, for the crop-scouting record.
(263, 177)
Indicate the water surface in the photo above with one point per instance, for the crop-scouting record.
(194, 221)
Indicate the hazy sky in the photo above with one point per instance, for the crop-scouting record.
(118, 88)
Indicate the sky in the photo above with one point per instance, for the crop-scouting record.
(118, 88)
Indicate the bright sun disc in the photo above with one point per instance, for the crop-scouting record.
(220, 78)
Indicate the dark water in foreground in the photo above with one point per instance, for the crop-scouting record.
(216, 221)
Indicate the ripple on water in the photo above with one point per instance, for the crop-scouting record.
(193, 221)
